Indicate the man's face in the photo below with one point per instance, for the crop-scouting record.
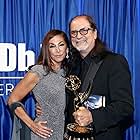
(82, 35)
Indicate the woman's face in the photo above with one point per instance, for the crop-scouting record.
(57, 49)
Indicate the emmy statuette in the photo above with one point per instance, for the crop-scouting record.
(74, 130)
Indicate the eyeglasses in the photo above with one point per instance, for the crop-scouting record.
(82, 31)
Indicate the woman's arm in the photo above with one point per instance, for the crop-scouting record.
(23, 87)
(20, 91)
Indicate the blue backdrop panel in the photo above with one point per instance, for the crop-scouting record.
(23, 25)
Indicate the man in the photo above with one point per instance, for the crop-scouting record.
(112, 81)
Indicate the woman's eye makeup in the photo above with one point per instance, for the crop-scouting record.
(52, 46)
(61, 44)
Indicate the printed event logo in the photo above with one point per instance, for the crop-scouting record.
(14, 59)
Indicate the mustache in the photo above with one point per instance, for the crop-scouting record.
(81, 41)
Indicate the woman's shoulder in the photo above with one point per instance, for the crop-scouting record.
(38, 69)
(35, 66)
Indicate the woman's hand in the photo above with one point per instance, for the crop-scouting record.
(41, 130)
(38, 110)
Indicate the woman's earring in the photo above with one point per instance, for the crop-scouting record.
(67, 56)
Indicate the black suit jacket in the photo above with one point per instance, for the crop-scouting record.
(113, 81)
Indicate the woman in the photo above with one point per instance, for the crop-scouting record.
(46, 80)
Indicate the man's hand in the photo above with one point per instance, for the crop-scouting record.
(41, 130)
(83, 116)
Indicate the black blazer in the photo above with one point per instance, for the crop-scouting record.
(113, 81)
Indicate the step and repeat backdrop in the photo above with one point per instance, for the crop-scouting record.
(23, 25)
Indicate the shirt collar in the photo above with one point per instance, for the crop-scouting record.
(92, 56)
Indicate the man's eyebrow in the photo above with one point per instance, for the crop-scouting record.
(80, 29)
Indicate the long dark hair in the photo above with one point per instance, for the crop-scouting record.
(44, 56)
